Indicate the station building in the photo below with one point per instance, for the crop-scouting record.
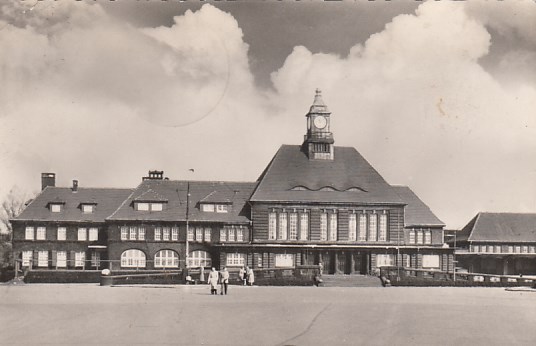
(315, 203)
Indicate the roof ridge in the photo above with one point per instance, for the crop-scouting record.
(122, 204)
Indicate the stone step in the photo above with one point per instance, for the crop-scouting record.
(350, 281)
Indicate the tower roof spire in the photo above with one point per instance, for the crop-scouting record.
(318, 104)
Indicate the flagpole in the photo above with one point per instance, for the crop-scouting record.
(187, 224)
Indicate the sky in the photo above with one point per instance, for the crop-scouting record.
(439, 96)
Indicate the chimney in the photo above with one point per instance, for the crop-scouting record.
(48, 179)
(154, 175)
(75, 185)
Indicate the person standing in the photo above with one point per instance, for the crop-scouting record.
(250, 276)
(213, 281)
(224, 279)
(242, 275)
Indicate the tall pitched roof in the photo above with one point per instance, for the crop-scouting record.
(348, 178)
(175, 192)
(417, 213)
(501, 227)
(107, 200)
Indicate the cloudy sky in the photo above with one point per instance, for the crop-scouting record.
(438, 96)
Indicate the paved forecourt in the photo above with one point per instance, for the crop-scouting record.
(87, 314)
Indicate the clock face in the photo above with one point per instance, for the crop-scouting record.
(320, 122)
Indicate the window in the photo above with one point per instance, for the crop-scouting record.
(133, 259)
(323, 226)
(235, 259)
(208, 234)
(207, 207)
(142, 206)
(332, 226)
(428, 237)
(532, 249)
(158, 233)
(419, 237)
(483, 248)
(199, 259)
(174, 233)
(412, 236)
(282, 226)
(510, 249)
(373, 227)
(55, 208)
(87, 208)
(29, 233)
(490, 248)
(41, 233)
(384, 260)
(166, 259)
(61, 259)
(26, 258)
(199, 234)
(79, 259)
(525, 249)
(284, 260)
(42, 259)
(157, 206)
(93, 234)
(362, 235)
(223, 235)
(124, 232)
(95, 259)
(240, 234)
(165, 233)
(430, 261)
(190, 234)
(272, 226)
(222, 208)
(82, 234)
(304, 226)
(231, 234)
(293, 226)
(383, 228)
(497, 249)
(141, 233)
(352, 227)
(476, 248)
(518, 249)
(132, 233)
(62, 233)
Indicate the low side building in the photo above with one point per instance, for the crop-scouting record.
(498, 243)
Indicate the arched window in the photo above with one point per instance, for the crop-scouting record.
(133, 259)
(166, 259)
(200, 259)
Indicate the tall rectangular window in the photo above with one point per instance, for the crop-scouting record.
(26, 258)
(95, 259)
(323, 226)
(304, 226)
(223, 234)
(476, 248)
(141, 233)
(332, 226)
(79, 259)
(158, 233)
(272, 226)
(373, 227)
(42, 259)
(383, 228)
(199, 234)
(124, 232)
(61, 259)
(82, 233)
(29, 234)
(283, 226)
(239, 234)
(412, 236)
(208, 234)
(362, 235)
(497, 249)
(166, 233)
(293, 226)
(231, 234)
(174, 233)
(93, 234)
(132, 233)
(62, 233)
(428, 237)
(352, 227)
(41, 233)
(419, 237)
(190, 234)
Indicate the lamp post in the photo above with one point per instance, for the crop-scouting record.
(187, 224)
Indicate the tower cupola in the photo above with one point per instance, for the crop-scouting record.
(318, 142)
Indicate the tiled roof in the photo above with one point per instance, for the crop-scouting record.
(416, 213)
(501, 227)
(150, 196)
(291, 168)
(106, 200)
(175, 192)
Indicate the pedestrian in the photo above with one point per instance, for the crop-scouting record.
(213, 281)
(250, 276)
(242, 275)
(224, 280)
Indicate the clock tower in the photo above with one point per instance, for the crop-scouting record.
(318, 142)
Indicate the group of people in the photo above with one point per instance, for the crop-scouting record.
(221, 278)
